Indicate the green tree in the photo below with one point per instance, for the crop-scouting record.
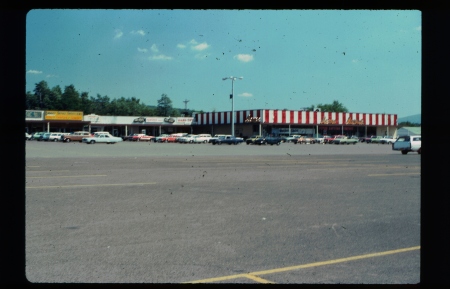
(164, 107)
(55, 97)
(85, 103)
(101, 105)
(336, 106)
(41, 91)
(31, 101)
(70, 99)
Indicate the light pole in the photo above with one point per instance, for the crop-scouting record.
(232, 100)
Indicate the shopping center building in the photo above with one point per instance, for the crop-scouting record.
(247, 123)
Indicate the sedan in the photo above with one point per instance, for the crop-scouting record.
(102, 138)
(273, 140)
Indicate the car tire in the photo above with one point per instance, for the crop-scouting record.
(419, 151)
(67, 139)
(55, 140)
(92, 142)
(404, 152)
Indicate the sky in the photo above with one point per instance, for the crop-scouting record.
(368, 60)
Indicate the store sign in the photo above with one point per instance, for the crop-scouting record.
(354, 121)
(253, 119)
(139, 120)
(63, 115)
(33, 114)
(328, 121)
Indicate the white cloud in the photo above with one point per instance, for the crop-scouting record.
(160, 57)
(201, 56)
(182, 46)
(200, 47)
(119, 34)
(34, 71)
(51, 75)
(245, 94)
(140, 32)
(142, 49)
(244, 57)
(193, 42)
(154, 48)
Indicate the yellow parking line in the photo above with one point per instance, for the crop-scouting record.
(76, 176)
(316, 264)
(399, 174)
(258, 279)
(95, 185)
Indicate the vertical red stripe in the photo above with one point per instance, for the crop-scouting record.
(275, 116)
(266, 116)
(307, 117)
(299, 119)
(283, 116)
(291, 116)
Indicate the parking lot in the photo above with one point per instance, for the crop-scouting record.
(138, 212)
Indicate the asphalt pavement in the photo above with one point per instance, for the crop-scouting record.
(198, 213)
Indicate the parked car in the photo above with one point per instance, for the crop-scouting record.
(54, 136)
(408, 143)
(146, 138)
(259, 140)
(27, 136)
(44, 137)
(387, 140)
(345, 140)
(367, 139)
(252, 139)
(102, 138)
(291, 138)
(328, 139)
(273, 140)
(375, 139)
(37, 135)
(319, 139)
(216, 136)
(304, 140)
(228, 140)
(189, 138)
(202, 138)
(162, 138)
(137, 136)
(75, 136)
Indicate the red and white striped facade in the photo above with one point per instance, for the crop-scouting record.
(296, 117)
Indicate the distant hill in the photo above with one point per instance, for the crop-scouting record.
(417, 118)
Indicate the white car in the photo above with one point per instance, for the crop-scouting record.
(202, 138)
(102, 138)
(187, 138)
(27, 136)
(387, 140)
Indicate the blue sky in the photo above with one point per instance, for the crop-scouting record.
(369, 60)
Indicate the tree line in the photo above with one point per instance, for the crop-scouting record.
(45, 98)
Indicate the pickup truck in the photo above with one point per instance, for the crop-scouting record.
(345, 140)
(227, 139)
(408, 143)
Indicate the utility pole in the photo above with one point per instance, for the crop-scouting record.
(185, 106)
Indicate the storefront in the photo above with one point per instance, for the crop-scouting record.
(289, 122)
(53, 121)
(247, 123)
